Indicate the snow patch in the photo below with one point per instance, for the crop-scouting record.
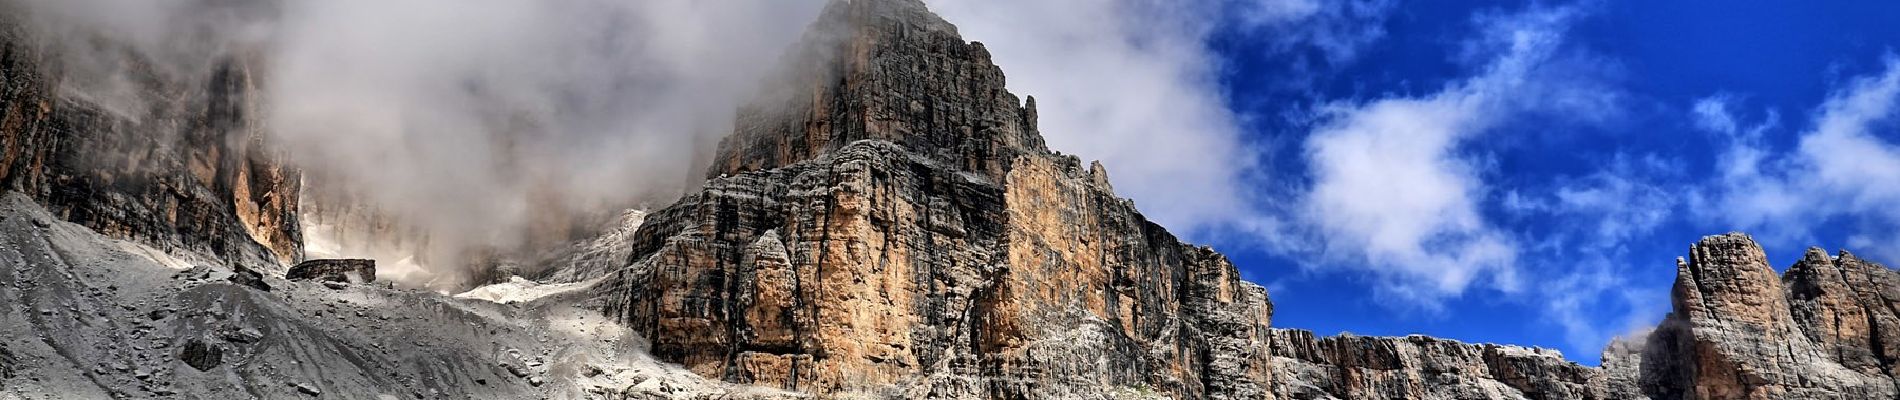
(518, 290)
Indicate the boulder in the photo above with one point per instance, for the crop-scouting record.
(200, 355)
(338, 270)
(249, 278)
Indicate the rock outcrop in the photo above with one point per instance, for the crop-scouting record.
(334, 270)
(888, 221)
(1420, 367)
(1739, 331)
(179, 162)
(83, 316)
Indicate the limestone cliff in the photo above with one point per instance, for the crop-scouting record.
(888, 221)
(885, 220)
(181, 164)
(1738, 331)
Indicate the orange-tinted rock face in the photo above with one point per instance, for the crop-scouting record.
(891, 223)
(1739, 331)
(890, 71)
(886, 220)
(1848, 306)
(188, 172)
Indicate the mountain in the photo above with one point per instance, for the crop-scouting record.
(180, 166)
(143, 252)
(1825, 329)
(885, 221)
(890, 221)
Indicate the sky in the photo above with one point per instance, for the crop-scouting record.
(1488, 171)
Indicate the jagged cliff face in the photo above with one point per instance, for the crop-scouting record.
(889, 71)
(890, 222)
(188, 171)
(885, 220)
(1825, 329)
(1419, 367)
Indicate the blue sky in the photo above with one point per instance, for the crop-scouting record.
(1514, 172)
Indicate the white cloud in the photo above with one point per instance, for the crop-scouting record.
(1579, 301)
(1712, 114)
(1588, 225)
(1274, 12)
(474, 121)
(1338, 29)
(1393, 194)
(1844, 166)
(1134, 84)
(1130, 83)
(1617, 202)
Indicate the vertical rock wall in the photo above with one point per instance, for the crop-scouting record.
(886, 220)
(185, 167)
(1740, 331)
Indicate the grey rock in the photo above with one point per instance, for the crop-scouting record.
(1739, 331)
(338, 270)
(893, 223)
(308, 389)
(244, 335)
(249, 278)
(183, 164)
(201, 355)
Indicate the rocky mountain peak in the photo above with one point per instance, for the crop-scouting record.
(1739, 331)
(883, 70)
(1729, 276)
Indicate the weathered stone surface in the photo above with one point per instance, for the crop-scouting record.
(1847, 307)
(1419, 367)
(1735, 332)
(184, 168)
(885, 70)
(344, 270)
(893, 225)
(886, 222)
(247, 277)
(200, 355)
(889, 222)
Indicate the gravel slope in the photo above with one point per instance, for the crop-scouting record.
(85, 316)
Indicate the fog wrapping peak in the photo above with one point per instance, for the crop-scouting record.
(478, 120)
(471, 120)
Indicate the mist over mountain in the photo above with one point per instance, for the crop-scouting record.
(803, 199)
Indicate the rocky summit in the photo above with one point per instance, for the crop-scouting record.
(884, 222)
(892, 224)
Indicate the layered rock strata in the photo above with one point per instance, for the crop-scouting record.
(1740, 331)
(180, 162)
(884, 221)
(888, 221)
(1420, 367)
